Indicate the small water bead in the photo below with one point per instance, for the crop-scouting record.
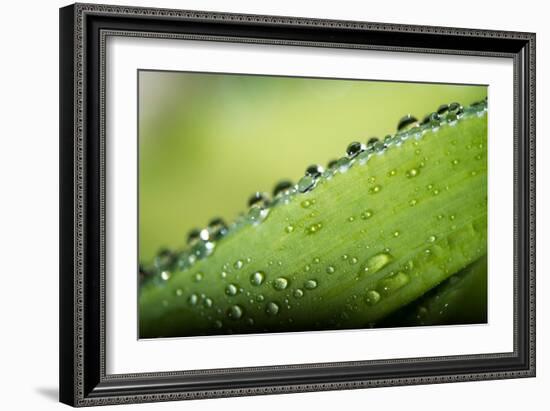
(298, 293)
(435, 192)
(365, 215)
(260, 298)
(202, 249)
(332, 163)
(231, 289)
(307, 268)
(310, 284)
(396, 233)
(343, 164)
(314, 228)
(179, 292)
(432, 238)
(375, 189)
(165, 260)
(216, 229)
(413, 172)
(238, 264)
(431, 120)
(257, 214)
(331, 269)
(315, 171)
(351, 219)
(271, 308)
(306, 183)
(193, 299)
(392, 173)
(355, 148)
(259, 199)
(443, 109)
(353, 260)
(378, 261)
(455, 108)
(204, 234)
(455, 112)
(345, 257)
(193, 236)
(307, 203)
(198, 277)
(394, 282)
(378, 147)
(372, 297)
(455, 162)
(408, 266)
(165, 275)
(289, 229)
(316, 260)
(413, 202)
(282, 187)
(407, 122)
(218, 324)
(235, 312)
(207, 302)
(452, 217)
(257, 278)
(223, 274)
(372, 141)
(280, 283)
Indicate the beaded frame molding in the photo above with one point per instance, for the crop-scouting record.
(83, 32)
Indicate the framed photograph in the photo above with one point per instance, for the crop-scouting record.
(262, 204)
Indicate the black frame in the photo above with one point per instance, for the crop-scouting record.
(83, 30)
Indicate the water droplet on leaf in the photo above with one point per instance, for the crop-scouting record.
(257, 278)
(231, 289)
(280, 283)
(235, 312)
(310, 284)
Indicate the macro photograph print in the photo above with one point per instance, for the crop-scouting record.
(289, 204)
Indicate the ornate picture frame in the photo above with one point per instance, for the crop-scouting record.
(84, 30)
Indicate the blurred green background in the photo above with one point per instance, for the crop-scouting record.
(208, 141)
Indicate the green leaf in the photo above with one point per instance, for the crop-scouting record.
(367, 240)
